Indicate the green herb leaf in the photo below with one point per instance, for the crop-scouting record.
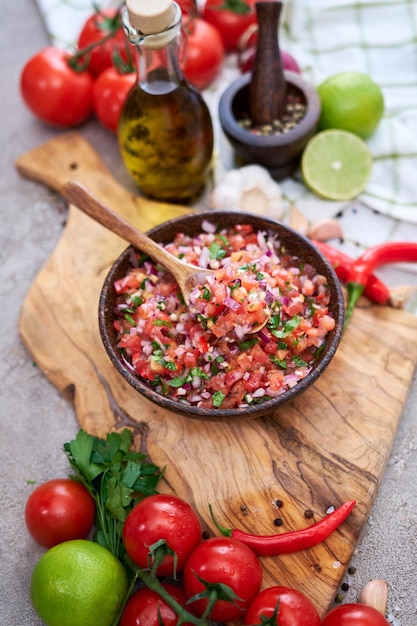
(159, 322)
(249, 343)
(279, 362)
(177, 382)
(217, 251)
(116, 477)
(218, 398)
(299, 362)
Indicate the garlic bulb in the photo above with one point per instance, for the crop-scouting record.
(250, 189)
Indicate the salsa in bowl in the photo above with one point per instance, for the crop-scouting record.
(204, 360)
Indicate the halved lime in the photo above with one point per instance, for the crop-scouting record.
(336, 164)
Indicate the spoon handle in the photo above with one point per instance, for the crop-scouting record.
(78, 195)
(267, 89)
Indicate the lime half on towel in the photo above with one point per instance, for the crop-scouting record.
(336, 165)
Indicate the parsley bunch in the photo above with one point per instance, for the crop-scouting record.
(116, 478)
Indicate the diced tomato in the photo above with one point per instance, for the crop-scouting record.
(191, 358)
(127, 284)
(144, 369)
(253, 382)
(130, 342)
(259, 355)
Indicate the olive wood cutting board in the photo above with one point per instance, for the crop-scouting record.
(328, 446)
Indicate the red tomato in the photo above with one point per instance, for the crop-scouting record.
(53, 91)
(161, 517)
(109, 94)
(227, 561)
(98, 26)
(294, 609)
(354, 615)
(204, 54)
(59, 510)
(147, 608)
(230, 25)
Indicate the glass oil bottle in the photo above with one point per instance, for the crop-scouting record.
(165, 131)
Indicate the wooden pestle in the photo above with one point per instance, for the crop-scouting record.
(267, 89)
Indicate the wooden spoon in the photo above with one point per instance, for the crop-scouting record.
(186, 275)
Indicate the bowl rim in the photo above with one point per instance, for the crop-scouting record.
(191, 411)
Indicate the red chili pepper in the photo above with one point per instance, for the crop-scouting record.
(342, 264)
(363, 267)
(293, 541)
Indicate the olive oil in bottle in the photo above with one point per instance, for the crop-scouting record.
(165, 131)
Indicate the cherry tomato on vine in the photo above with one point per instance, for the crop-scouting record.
(205, 52)
(98, 26)
(294, 608)
(109, 94)
(226, 561)
(354, 615)
(230, 24)
(59, 510)
(161, 517)
(53, 91)
(146, 608)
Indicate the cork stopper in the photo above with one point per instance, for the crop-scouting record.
(150, 16)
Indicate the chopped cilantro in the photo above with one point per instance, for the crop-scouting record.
(299, 362)
(159, 322)
(205, 293)
(136, 300)
(249, 343)
(274, 321)
(288, 327)
(279, 362)
(218, 398)
(130, 319)
(217, 251)
(179, 381)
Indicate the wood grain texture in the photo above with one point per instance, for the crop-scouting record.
(328, 446)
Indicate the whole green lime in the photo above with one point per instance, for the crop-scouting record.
(351, 101)
(78, 583)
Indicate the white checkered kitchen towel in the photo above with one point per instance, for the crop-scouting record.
(378, 37)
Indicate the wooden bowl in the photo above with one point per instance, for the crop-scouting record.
(192, 224)
(279, 154)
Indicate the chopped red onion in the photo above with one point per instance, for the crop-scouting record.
(208, 227)
(204, 258)
(231, 303)
(258, 393)
(262, 335)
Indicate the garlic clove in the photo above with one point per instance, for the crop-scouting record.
(250, 189)
(375, 594)
(298, 221)
(325, 229)
(399, 296)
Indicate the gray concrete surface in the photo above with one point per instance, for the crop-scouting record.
(35, 421)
